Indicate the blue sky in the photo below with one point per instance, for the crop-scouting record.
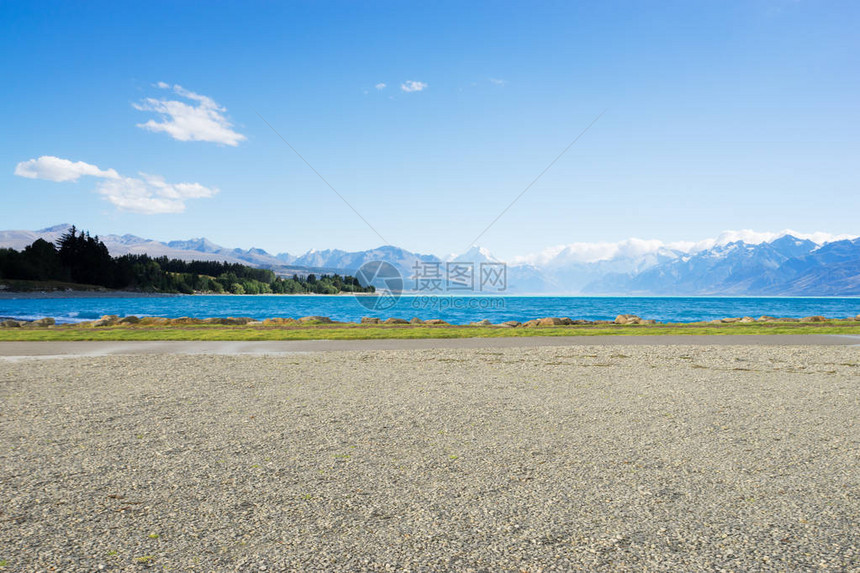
(719, 115)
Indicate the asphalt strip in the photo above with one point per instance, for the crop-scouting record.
(68, 349)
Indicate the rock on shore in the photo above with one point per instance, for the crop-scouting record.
(550, 321)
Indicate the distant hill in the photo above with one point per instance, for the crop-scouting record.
(19, 239)
(402, 259)
(191, 250)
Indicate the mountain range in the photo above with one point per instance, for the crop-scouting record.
(737, 263)
(193, 249)
(785, 266)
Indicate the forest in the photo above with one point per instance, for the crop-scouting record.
(81, 259)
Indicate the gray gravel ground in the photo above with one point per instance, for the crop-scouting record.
(540, 459)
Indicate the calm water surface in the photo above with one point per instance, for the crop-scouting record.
(456, 310)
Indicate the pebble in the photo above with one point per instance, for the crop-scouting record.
(670, 458)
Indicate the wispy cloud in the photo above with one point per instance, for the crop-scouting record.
(151, 194)
(380, 86)
(56, 169)
(593, 252)
(147, 194)
(198, 118)
(498, 82)
(413, 86)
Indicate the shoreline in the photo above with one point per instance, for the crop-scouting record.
(76, 294)
(73, 294)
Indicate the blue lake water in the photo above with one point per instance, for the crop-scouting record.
(456, 310)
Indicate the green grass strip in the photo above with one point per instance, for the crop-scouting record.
(366, 332)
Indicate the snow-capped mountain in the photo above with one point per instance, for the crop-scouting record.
(475, 255)
(786, 266)
(520, 278)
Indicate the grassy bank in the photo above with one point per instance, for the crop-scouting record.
(357, 332)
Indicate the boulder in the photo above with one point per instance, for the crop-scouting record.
(131, 319)
(107, 320)
(436, 322)
(580, 321)
(747, 319)
(241, 321)
(627, 319)
(43, 322)
(152, 321)
(484, 322)
(510, 324)
(10, 324)
(315, 320)
(857, 317)
(784, 320)
(370, 320)
(277, 321)
(648, 321)
(530, 323)
(185, 320)
(765, 318)
(813, 319)
(551, 321)
(730, 320)
(716, 321)
(393, 320)
(416, 320)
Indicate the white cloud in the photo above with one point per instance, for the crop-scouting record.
(56, 169)
(498, 82)
(634, 248)
(413, 86)
(380, 86)
(151, 194)
(200, 120)
(147, 194)
(593, 252)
